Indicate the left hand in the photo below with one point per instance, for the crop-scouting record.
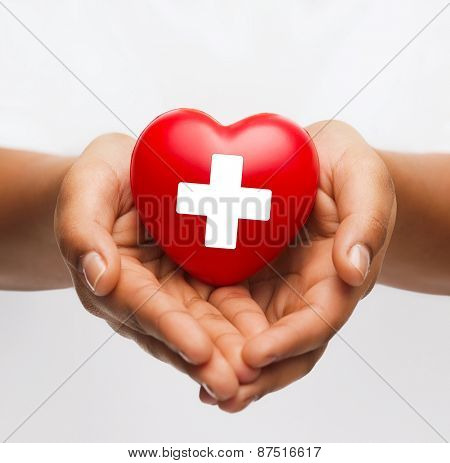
(309, 292)
(137, 289)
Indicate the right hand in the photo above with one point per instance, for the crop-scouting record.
(137, 289)
(309, 292)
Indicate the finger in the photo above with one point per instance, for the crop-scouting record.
(87, 207)
(365, 199)
(230, 344)
(321, 313)
(206, 398)
(216, 375)
(236, 304)
(273, 378)
(222, 333)
(139, 298)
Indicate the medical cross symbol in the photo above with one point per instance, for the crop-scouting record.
(224, 201)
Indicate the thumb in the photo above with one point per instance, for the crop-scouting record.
(84, 219)
(366, 206)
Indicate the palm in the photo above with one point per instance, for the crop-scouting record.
(233, 314)
(302, 296)
(306, 267)
(151, 283)
(281, 318)
(301, 274)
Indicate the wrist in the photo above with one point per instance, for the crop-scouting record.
(418, 255)
(50, 172)
(29, 187)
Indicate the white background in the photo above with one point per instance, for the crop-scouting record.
(303, 59)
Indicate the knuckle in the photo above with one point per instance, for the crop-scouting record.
(110, 138)
(339, 124)
(374, 224)
(109, 144)
(378, 226)
(330, 124)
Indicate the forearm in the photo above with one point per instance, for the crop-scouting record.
(29, 186)
(418, 257)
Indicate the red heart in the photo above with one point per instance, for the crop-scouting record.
(178, 146)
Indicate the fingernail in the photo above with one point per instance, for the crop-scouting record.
(208, 400)
(209, 391)
(360, 259)
(185, 357)
(93, 268)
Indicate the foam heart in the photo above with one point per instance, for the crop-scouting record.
(222, 201)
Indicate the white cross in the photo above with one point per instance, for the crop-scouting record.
(224, 201)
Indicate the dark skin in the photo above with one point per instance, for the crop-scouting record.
(262, 329)
(240, 342)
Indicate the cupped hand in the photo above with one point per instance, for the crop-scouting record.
(136, 288)
(310, 291)
(239, 342)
